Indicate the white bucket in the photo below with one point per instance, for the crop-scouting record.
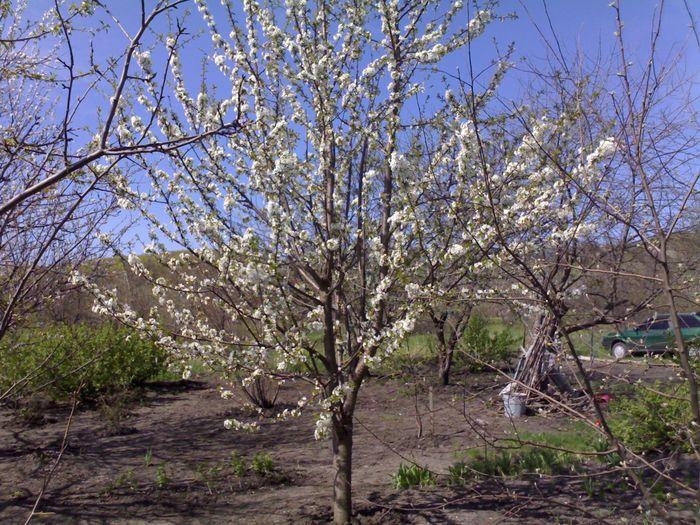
(514, 405)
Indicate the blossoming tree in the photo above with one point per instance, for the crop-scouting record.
(300, 226)
(451, 253)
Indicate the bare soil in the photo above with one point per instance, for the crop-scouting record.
(106, 476)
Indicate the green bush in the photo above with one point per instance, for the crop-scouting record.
(652, 422)
(57, 359)
(412, 476)
(479, 347)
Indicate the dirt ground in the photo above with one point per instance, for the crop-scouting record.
(106, 475)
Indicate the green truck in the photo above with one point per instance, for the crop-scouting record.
(653, 335)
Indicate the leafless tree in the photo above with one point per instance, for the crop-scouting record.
(43, 238)
(625, 254)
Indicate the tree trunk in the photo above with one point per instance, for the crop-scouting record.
(447, 345)
(445, 365)
(444, 358)
(342, 461)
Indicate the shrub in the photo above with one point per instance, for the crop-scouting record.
(480, 348)
(262, 392)
(412, 476)
(113, 410)
(57, 359)
(649, 421)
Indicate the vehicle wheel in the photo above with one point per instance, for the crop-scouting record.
(619, 350)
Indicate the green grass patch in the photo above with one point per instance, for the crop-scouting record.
(530, 453)
(527, 460)
(491, 339)
(515, 331)
(588, 342)
(578, 439)
(420, 349)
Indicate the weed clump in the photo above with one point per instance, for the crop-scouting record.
(262, 464)
(412, 476)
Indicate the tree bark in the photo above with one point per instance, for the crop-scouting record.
(444, 356)
(445, 365)
(342, 461)
(447, 345)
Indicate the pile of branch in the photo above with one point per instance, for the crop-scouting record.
(537, 369)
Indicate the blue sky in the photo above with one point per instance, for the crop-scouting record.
(585, 26)
(582, 26)
(588, 27)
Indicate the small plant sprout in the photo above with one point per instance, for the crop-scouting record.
(237, 464)
(162, 478)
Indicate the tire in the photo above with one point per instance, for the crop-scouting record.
(619, 350)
